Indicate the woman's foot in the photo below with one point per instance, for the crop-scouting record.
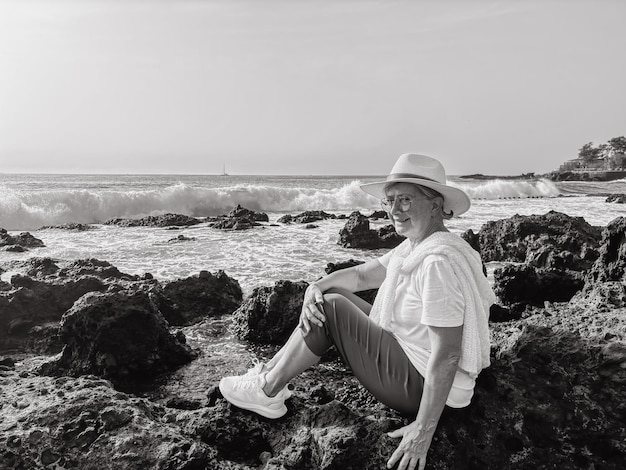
(259, 368)
(246, 392)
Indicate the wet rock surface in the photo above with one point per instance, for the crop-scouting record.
(611, 262)
(546, 256)
(616, 198)
(32, 302)
(21, 242)
(119, 336)
(77, 227)
(379, 215)
(242, 212)
(43, 289)
(239, 218)
(356, 233)
(527, 285)
(552, 240)
(270, 314)
(236, 223)
(165, 220)
(187, 301)
(306, 217)
(85, 423)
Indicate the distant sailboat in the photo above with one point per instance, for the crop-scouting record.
(224, 170)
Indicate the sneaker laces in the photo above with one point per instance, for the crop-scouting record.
(256, 370)
(249, 382)
(257, 367)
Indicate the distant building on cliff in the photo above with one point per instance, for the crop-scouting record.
(611, 162)
(571, 165)
(605, 162)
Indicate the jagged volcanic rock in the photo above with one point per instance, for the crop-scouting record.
(187, 301)
(119, 336)
(21, 242)
(356, 233)
(306, 217)
(270, 314)
(165, 220)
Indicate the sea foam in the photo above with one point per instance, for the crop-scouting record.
(32, 209)
(501, 189)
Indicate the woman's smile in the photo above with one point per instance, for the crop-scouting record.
(401, 220)
(414, 220)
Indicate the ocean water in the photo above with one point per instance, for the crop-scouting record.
(254, 257)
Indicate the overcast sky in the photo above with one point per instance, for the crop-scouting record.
(307, 87)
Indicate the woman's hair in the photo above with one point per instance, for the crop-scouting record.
(430, 193)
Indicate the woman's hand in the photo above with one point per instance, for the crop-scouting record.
(414, 446)
(312, 310)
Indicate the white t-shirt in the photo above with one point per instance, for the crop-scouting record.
(429, 296)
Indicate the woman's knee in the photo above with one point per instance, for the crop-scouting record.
(333, 302)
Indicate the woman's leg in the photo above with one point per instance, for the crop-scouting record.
(355, 299)
(373, 354)
(292, 359)
(295, 356)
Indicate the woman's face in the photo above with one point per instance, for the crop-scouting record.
(420, 219)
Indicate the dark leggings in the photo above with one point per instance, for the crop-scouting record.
(373, 354)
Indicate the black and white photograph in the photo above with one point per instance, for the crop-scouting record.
(312, 234)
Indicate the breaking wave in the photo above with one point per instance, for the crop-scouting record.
(32, 209)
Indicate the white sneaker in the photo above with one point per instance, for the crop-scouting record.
(246, 392)
(257, 369)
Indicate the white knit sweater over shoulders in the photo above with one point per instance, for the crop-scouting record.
(467, 265)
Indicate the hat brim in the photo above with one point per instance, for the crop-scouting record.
(454, 199)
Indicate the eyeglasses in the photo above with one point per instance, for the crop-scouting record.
(404, 203)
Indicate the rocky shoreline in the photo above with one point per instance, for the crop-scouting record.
(101, 369)
(555, 176)
(599, 175)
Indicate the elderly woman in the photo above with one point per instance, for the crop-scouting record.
(425, 339)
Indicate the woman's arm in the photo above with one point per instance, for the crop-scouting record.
(369, 275)
(442, 366)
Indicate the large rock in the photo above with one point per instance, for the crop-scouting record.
(616, 198)
(95, 267)
(21, 242)
(165, 220)
(611, 263)
(605, 285)
(235, 223)
(270, 314)
(306, 217)
(71, 226)
(527, 285)
(553, 398)
(121, 337)
(187, 301)
(39, 267)
(517, 285)
(379, 215)
(356, 233)
(242, 212)
(551, 241)
(44, 289)
(239, 218)
(34, 302)
(326, 435)
(84, 423)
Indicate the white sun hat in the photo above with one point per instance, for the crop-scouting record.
(425, 171)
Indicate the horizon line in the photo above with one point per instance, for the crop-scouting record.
(253, 174)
